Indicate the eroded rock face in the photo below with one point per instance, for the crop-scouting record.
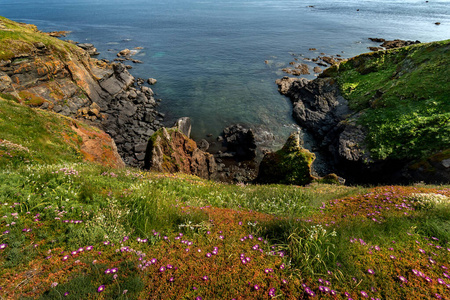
(98, 147)
(240, 142)
(319, 108)
(75, 85)
(317, 103)
(169, 150)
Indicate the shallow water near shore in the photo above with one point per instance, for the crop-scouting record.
(209, 55)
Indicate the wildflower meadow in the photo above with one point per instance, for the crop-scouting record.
(81, 231)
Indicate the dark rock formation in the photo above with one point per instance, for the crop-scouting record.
(89, 48)
(397, 44)
(390, 44)
(323, 112)
(240, 142)
(152, 81)
(318, 105)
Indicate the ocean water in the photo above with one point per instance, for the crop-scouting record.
(209, 55)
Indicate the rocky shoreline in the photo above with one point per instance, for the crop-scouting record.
(320, 108)
(66, 78)
(72, 83)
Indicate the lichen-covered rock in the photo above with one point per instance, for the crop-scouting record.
(290, 165)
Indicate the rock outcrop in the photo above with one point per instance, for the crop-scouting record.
(240, 142)
(290, 165)
(171, 151)
(51, 74)
(318, 106)
(341, 135)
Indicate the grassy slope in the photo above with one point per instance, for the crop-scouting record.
(17, 39)
(62, 226)
(44, 137)
(404, 95)
(52, 213)
(34, 136)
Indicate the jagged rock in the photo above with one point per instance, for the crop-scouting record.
(171, 151)
(240, 141)
(148, 91)
(89, 48)
(317, 69)
(100, 93)
(377, 40)
(152, 81)
(285, 83)
(303, 68)
(318, 105)
(184, 126)
(124, 52)
(398, 44)
(328, 60)
(112, 85)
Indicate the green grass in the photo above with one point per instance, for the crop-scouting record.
(19, 39)
(35, 136)
(403, 95)
(322, 232)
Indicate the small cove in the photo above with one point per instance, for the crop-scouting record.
(209, 56)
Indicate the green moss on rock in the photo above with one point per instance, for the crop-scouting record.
(401, 97)
(290, 165)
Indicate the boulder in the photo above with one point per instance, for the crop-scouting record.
(89, 48)
(124, 52)
(152, 81)
(184, 126)
(240, 141)
(203, 145)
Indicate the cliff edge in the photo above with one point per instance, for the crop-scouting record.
(47, 73)
(381, 117)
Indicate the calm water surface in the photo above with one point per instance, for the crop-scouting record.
(209, 55)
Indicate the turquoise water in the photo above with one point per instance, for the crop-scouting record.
(209, 55)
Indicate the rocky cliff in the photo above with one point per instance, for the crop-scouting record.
(44, 72)
(380, 117)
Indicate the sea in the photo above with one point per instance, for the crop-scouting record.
(216, 61)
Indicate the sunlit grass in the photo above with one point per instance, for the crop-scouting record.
(82, 231)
